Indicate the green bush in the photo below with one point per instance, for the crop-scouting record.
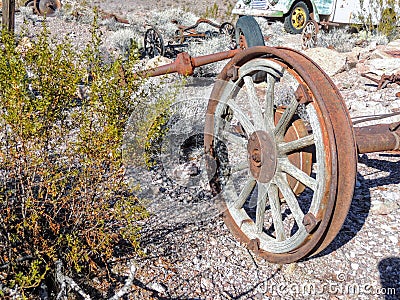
(387, 20)
(63, 196)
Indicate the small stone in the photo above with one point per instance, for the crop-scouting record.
(158, 287)
(213, 241)
(355, 266)
(207, 283)
(393, 239)
(290, 268)
(383, 208)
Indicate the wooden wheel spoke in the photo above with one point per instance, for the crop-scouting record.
(240, 167)
(287, 116)
(287, 167)
(242, 117)
(245, 193)
(290, 198)
(296, 145)
(234, 139)
(269, 103)
(273, 196)
(261, 204)
(254, 103)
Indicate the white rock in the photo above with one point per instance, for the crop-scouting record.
(323, 57)
(379, 66)
(157, 61)
(355, 266)
(393, 239)
(158, 287)
(207, 283)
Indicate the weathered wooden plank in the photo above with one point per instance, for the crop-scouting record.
(8, 14)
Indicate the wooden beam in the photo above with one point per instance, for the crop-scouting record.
(8, 14)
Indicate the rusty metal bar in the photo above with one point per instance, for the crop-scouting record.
(185, 64)
(377, 138)
(8, 15)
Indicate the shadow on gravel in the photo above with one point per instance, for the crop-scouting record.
(361, 202)
(389, 270)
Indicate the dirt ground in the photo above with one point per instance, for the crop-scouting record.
(198, 7)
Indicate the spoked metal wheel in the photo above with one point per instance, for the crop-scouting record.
(228, 29)
(285, 153)
(309, 35)
(153, 43)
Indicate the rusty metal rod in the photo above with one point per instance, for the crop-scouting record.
(377, 138)
(185, 64)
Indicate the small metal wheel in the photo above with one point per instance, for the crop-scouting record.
(309, 35)
(153, 43)
(297, 18)
(279, 143)
(34, 4)
(48, 7)
(227, 29)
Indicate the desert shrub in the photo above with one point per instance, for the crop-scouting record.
(341, 39)
(380, 16)
(388, 22)
(211, 11)
(63, 196)
(126, 40)
(222, 12)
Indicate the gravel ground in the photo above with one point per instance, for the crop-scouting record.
(197, 258)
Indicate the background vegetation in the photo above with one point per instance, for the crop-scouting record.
(63, 196)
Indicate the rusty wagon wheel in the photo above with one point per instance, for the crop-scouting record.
(47, 7)
(285, 153)
(153, 43)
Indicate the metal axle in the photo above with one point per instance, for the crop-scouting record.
(376, 138)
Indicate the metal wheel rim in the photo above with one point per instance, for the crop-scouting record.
(227, 29)
(49, 7)
(153, 43)
(299, 17)
(303, 244)
(310, 34)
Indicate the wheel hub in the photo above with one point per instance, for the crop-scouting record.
(262, 156)
(298, 18)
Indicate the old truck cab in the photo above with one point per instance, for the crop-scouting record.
(296, 13)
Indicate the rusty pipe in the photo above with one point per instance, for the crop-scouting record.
(377, 138)
(185, 64)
